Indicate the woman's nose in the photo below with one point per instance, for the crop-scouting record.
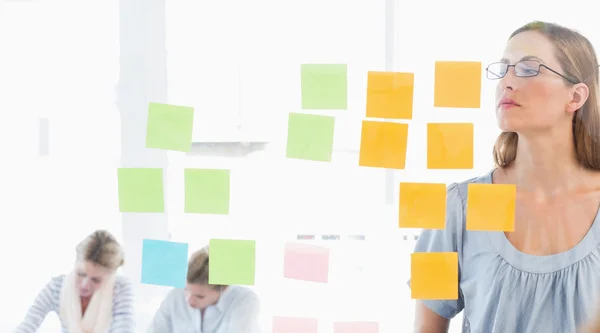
(85, 282)
(509, 81)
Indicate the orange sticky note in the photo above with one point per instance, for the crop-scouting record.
(383, 144)
(422, 205)
(295, 325)
(390, 95)
(450, 146)
(491, 207)
(434, 275)
(356, 327)
(457, 84)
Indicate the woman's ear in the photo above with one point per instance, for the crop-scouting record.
(579, 95)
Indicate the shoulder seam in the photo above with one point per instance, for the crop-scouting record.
(460, 196)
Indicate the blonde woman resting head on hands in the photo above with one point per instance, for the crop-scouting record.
(545, 275)
(92, 298)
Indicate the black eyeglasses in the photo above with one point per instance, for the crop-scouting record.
(524, 68)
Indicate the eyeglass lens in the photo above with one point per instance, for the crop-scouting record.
(525, 68)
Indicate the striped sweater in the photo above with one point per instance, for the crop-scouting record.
(48, 301)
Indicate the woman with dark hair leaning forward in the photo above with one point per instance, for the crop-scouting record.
(544, 276)
(92, 298)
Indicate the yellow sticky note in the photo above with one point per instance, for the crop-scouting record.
(434, 275)
(457, 84)
(383, 144)
(422, 205)
(390, 95)
(450, 146)
(491, 207)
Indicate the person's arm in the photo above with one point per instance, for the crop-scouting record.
(433, 316)
(45, 302)
(161, 323)
(245, 316)
(593, 326)
(428, 321)
(123, 312)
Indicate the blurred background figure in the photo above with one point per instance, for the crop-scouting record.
(206, 308)
(92, 298)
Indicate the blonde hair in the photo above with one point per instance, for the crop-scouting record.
(101, 248)
(198, 269)
(578, 60)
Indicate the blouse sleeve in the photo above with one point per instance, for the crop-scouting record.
(244, 316)
(45, 302)
(123, 313)
(161, 323)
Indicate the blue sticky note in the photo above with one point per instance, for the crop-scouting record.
(164, 263)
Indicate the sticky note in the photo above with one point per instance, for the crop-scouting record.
(457, 84)
(164, 263)
(141, 190)
(295, 325)
(169, 127)
(356, 327)
(207, 191)
(232, 261)
(310, 137)
(450, 146)
(491, 207)
(306, 262)
(390, 95)
(383, 144)
(324, 86)
(434, 275)
(422, 205)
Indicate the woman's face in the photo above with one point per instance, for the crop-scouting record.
(90, 277)
(543, 100)
(200, 296)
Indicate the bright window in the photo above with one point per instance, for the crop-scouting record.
(60, 61)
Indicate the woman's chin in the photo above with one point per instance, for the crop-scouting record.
(507, 129)
(508, 125)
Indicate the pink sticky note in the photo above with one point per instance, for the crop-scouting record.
(295, 325)
(356, 327)
(306, 262)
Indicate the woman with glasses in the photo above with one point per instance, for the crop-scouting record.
(205, 308)
(545, 275)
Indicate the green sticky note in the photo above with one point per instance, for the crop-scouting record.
(324, 86)
(310, 137)
(231, 261)
(141, 190)
(207, 191)
(170, 127)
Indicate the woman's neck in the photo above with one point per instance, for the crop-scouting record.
(546, 165)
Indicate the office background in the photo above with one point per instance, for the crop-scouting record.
(75, 81)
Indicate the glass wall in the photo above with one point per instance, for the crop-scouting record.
(238, 63)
